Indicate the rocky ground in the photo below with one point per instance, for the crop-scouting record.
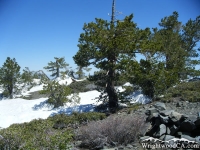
(189, 110)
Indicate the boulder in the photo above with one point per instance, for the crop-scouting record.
(173, 130)
(192, 118)
(197, 122)
(152, 131)
(166, 112)
(168, 137)
(160, 106)
(152, 117)
(188, 138)
(197, 139)
(187, 126)
(161, 131)
(198, 114)
(150, 111)
(164, 119)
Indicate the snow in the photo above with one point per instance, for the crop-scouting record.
(67, 80)
(138, 97)
(20, 110)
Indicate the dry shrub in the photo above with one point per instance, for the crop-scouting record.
(114, 130)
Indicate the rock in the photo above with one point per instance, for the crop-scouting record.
(197, 139)
(121, 147)
(129, 146)
(152, 117)
(197, 122)
(168, 137)
(144, 138)
(198, 114)
(164, 119)
(178, 104)
(176, 115)
(173, 130)
(192, 118)
(179, 134)
(161, 130)
(168, 130)
(195, 132)
(150, 111)
(188, 138)
(187, 126)
(166, 112)
(152, 131)
(160, 106)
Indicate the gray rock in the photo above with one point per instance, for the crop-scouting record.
(168, 137)
(198, 114)
(197, 122)
(161, 131)
(188, 137)
(178, 104)
(166, 112)
(152, 116)
(152, 131)
(192, 118)
(129, 146)
(121, 147)
(173, 130)
(187, 126)
(164, 119)
(176, 115)
(197, 139)
(150, 111)
(168, 130)
(144, 138)
(160, 106)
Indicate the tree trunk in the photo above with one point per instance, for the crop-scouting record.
(57, 71)
(113, 99)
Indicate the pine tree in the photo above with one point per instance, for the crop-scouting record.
(55, 67)
(9, 76)
(169, 52)
(178, 45)
(106, 45)
(59, 94)
(27, 76)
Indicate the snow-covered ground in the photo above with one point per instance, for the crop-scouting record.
(19, 110)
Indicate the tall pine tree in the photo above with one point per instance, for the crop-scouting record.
(9, 76)
(106, 45)
(55, 67)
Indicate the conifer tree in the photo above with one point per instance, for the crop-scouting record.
(170, 60)
(9, 76)
(55, 67)
(27, 76)
(106, 45)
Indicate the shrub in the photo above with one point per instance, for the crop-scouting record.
(119, 130)
(41, 134)
(37, 134)
(189, 91)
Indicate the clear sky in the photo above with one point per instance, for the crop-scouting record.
(36, 31)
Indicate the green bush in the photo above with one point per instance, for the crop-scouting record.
(41, 134)
(37, 134)
(189, 91)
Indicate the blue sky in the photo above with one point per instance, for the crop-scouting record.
(36, 31)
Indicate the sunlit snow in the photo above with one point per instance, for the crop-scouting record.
(20, 110)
